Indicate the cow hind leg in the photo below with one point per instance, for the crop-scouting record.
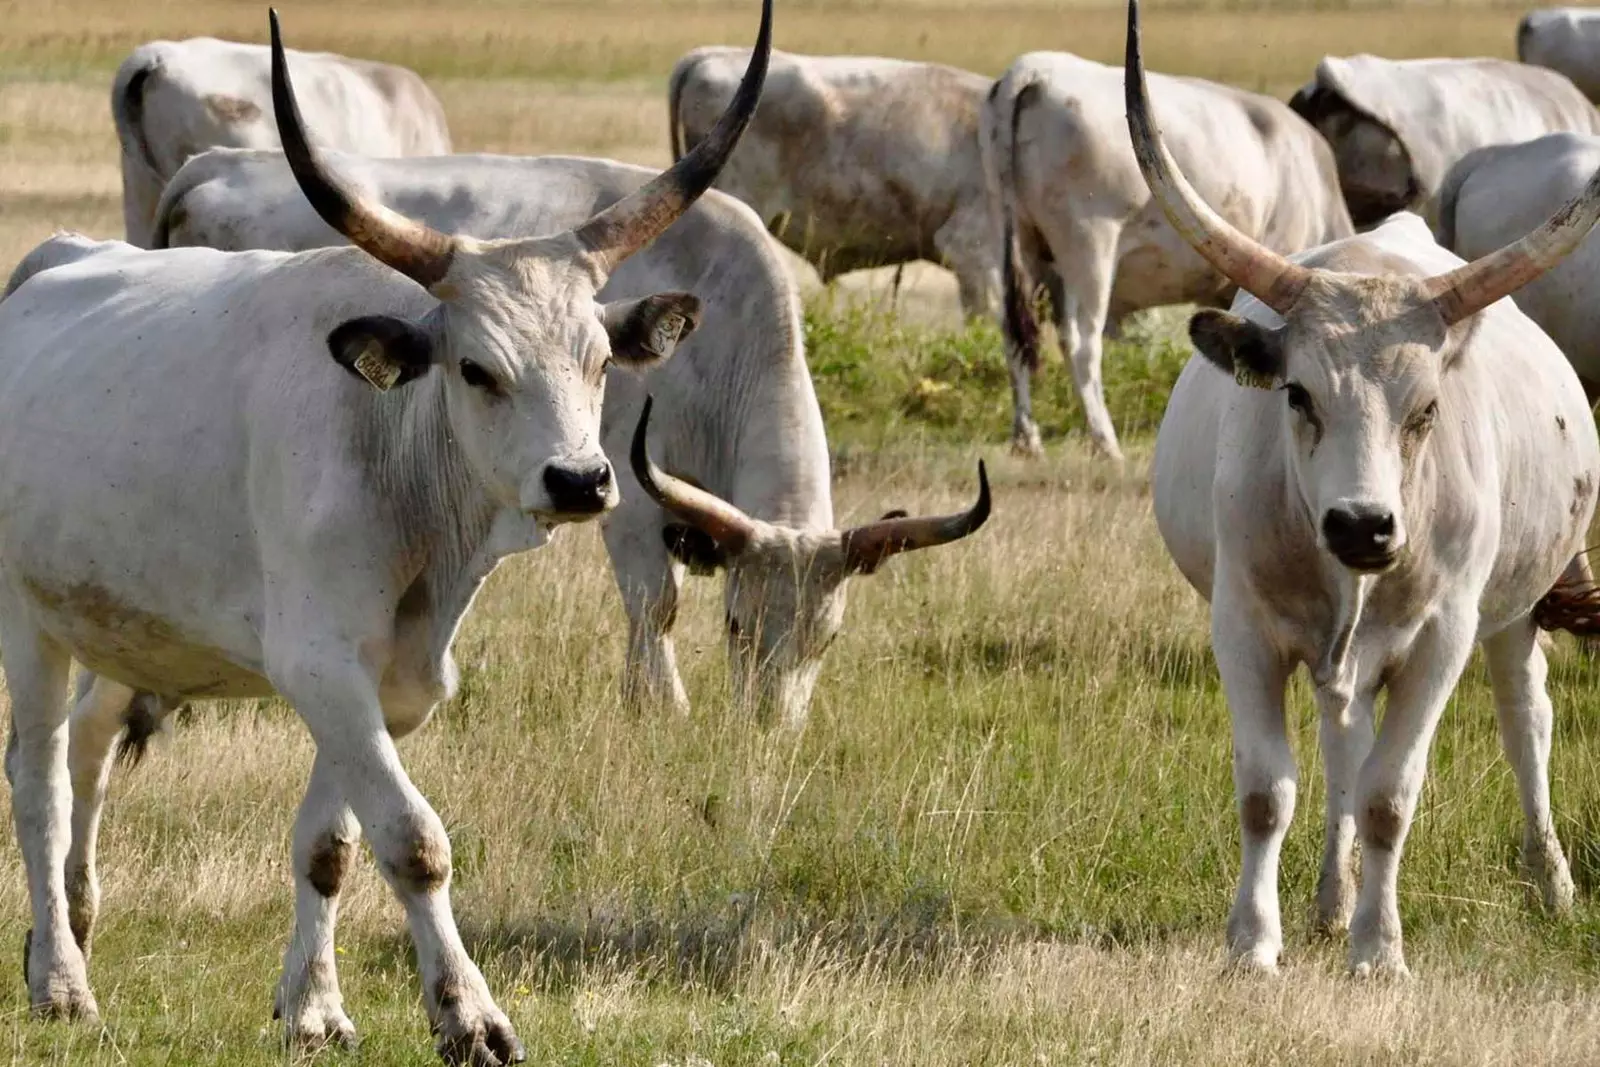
(964, 245)
(1517, 672)
(1087, 259)
(1346, 738)
(36, 676)
(96, 722)
(1391, 781)
(325, 839)
(338, 699)
(1023, 343)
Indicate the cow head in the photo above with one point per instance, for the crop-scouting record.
(1358, 359)
(785, 593)
(518, 339)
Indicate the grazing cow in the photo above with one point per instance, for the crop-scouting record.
(1396, 126)
(1565, 39)
(1373, 463)
(747, 378)
(854, 161)
(267, 472)
(1494, 195)
(173, 99)
(1077, 217)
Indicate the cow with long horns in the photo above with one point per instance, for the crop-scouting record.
(1373, 463)
(269, 472)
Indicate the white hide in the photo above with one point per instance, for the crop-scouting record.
(1565, 39)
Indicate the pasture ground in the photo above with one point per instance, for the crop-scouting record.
(1007, 835)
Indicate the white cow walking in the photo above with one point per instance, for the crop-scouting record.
(174, 99)
(1372, 464)
(230, 474)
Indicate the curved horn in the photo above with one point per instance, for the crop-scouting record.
(417, 251)
(725, 524)
(1256, 269)
(631, 223)
(1468, 290)
(866, 547)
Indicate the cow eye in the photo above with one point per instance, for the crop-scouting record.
(1423, 419)
(1299, 399)
(475, 376)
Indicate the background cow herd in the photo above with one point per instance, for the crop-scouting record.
(277, 464)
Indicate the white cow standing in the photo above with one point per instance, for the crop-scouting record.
(736, 413)
(174, 99)
(1565, 39)
(1373, 463)
(1397, 125)
(232, 474)
(855, 161)
(1074, 215)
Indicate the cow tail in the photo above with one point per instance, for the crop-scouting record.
(127, 106)
(169, 209)
(1021, 325)
(145, 717)
(1524, 32)
(680, 75)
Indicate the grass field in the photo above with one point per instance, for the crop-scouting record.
(1007, 834)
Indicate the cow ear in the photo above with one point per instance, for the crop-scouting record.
(647, 331)
(382, 350)
(693, 548)
(1252, 353)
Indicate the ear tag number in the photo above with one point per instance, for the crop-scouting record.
(372, 365)
(664, 336)
(1250, 379)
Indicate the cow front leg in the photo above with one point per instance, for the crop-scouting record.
(1264, 777)
(649, 582)
(1346, 738)
(1517, 672)
(325, 839)
(41, 798)
(339, 702)
(1391, 781)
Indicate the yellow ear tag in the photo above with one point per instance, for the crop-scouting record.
(1251, 379)
(664, 337)
(375, 368)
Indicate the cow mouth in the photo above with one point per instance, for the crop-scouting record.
(1367, 561)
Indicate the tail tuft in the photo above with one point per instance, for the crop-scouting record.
(146, 716)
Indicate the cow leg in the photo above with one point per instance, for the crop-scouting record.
(1391, 781)
(325, 837)
(965, 245)
(1346, 737)
(1034, 268)
(338, 699)
(92, 730)
(36, 675)
(1522, 708)
(1264, 777)
(1087, 258)
(649, 581)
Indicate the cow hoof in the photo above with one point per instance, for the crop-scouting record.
(1262, 962)
(1379, 967)
(1028, 446)
(62, 997)
(318, 1030)
(483, 1039)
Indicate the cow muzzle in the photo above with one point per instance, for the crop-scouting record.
(577, 490)
(1364, 537)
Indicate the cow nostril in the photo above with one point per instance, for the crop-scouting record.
(578, 489)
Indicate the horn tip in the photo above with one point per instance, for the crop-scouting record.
(981, 509)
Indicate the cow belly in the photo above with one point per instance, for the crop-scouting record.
(138, 648)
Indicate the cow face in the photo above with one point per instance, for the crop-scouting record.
(1358, 365)
(785, 594)
(518, 339)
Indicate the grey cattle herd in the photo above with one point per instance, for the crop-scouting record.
(1373, 461)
